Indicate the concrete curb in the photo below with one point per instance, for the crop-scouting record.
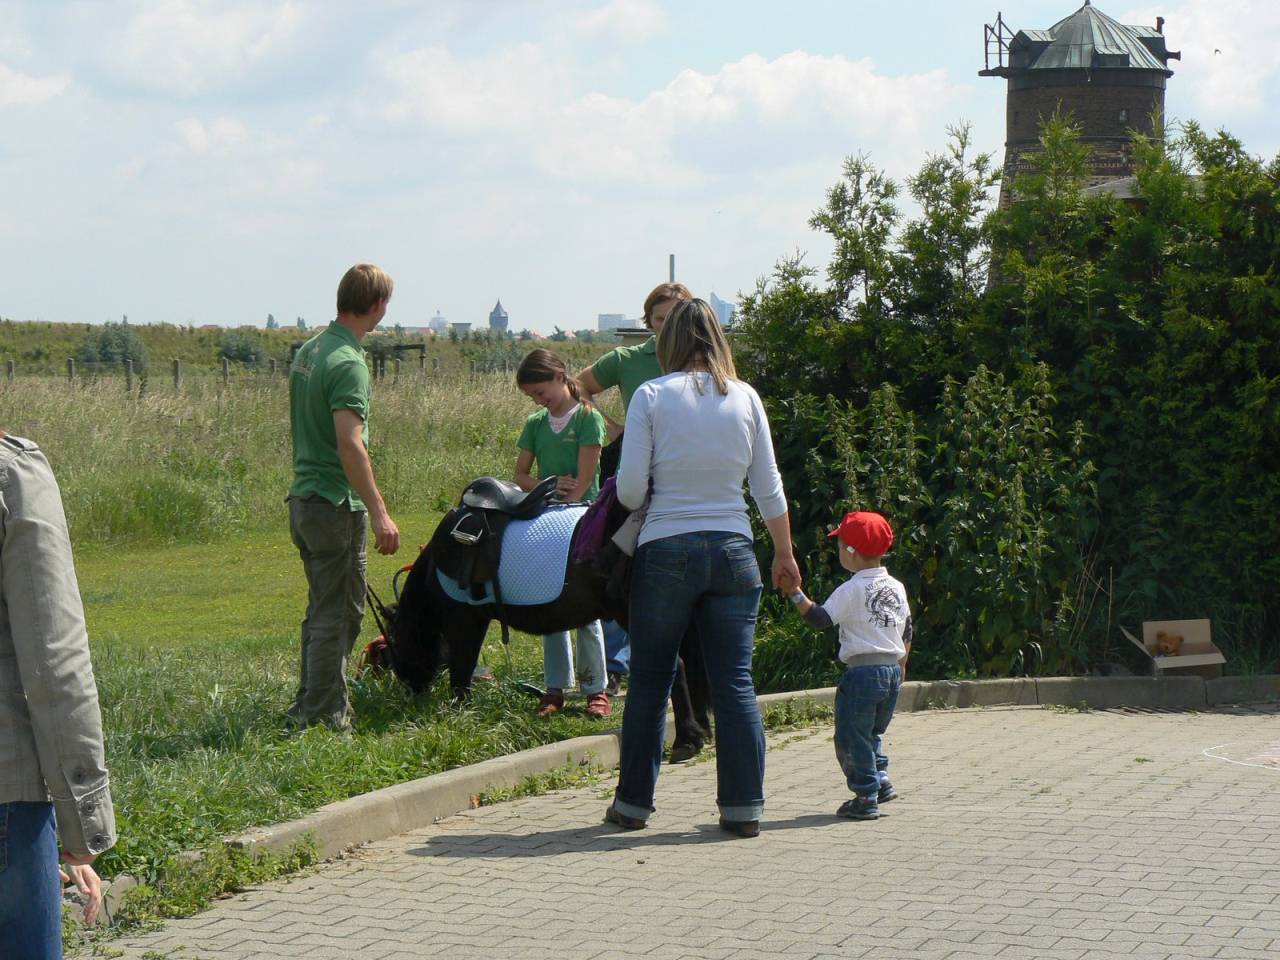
(419, 803)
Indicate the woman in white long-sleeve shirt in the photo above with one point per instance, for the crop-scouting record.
(692, 437)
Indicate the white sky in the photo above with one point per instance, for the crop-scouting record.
(213, 162)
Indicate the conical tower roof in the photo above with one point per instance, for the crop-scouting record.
(497, 311)
(1087, 40)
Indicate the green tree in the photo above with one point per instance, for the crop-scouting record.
(113, 343)
(242, 347)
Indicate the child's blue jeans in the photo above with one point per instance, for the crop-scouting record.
(865, 700)
(558, 671)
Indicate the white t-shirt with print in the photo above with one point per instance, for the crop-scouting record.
(870, 608)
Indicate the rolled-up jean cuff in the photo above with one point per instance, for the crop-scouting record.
(630, 809)
(746, 811)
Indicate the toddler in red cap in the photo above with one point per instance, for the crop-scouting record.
(875, 638)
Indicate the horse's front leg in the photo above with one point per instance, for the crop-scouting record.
(465, 637)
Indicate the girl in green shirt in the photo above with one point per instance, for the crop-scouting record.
(563, 439)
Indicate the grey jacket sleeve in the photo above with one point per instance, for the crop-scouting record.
(45, 624)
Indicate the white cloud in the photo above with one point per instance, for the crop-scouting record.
(217, 136)
(507, 92)
(188, 47)
(751, 114)
(625, 21)
(20, 89)
(14, 44)
(1221, 85)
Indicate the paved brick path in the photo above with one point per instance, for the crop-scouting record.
(1020, 833)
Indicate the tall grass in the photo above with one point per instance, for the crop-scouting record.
(199, 464)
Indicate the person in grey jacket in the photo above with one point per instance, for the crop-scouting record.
(53, 778)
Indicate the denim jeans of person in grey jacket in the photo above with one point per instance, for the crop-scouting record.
(50, 725)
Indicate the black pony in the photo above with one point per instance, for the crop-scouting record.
(430, 631)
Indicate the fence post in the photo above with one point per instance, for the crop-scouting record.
(473, 369)
(71, 370)
(128, 375)
(177, 374)
(11, 370)
(397, 379)
(422, 362)
(273, 368)
(226, 371)
(435, 364)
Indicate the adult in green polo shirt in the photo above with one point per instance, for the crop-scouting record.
(333, 492)
(628, 367)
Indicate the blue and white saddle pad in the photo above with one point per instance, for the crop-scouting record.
(535, 554)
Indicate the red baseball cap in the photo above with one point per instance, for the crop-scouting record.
(867, 532)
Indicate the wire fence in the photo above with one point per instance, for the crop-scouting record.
(174, 374)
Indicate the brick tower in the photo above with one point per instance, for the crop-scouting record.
(1108, 76)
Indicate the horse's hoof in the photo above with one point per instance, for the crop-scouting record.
(684, 752)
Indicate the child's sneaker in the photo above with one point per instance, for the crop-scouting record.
(859, 808)
(887, 792)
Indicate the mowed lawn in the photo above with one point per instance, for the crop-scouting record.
(195, 647)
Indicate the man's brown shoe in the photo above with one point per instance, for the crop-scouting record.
(552, 702)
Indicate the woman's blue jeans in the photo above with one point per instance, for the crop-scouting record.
(30, 891)
(711, 579)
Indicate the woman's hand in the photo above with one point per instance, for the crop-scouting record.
(787, 583)
(566, 488)
(786, 573)
(87, 882)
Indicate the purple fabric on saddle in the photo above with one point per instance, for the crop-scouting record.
(591, 528)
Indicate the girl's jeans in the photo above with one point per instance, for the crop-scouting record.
(865, 700)
(557, 660)
(711, 579)
(30, 892)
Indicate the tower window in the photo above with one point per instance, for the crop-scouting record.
(1124, 114)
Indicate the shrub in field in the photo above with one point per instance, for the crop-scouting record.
(114, 343)
(242, 347)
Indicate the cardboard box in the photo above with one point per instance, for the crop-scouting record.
(1198, 656)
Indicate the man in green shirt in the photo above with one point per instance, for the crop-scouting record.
(627, 368)
(332, 492)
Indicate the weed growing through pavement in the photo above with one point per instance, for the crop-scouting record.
(1081, 707)
(567, 777)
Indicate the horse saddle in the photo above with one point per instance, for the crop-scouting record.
(471, 551)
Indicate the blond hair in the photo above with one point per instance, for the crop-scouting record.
(692, 339)
(362, 288)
